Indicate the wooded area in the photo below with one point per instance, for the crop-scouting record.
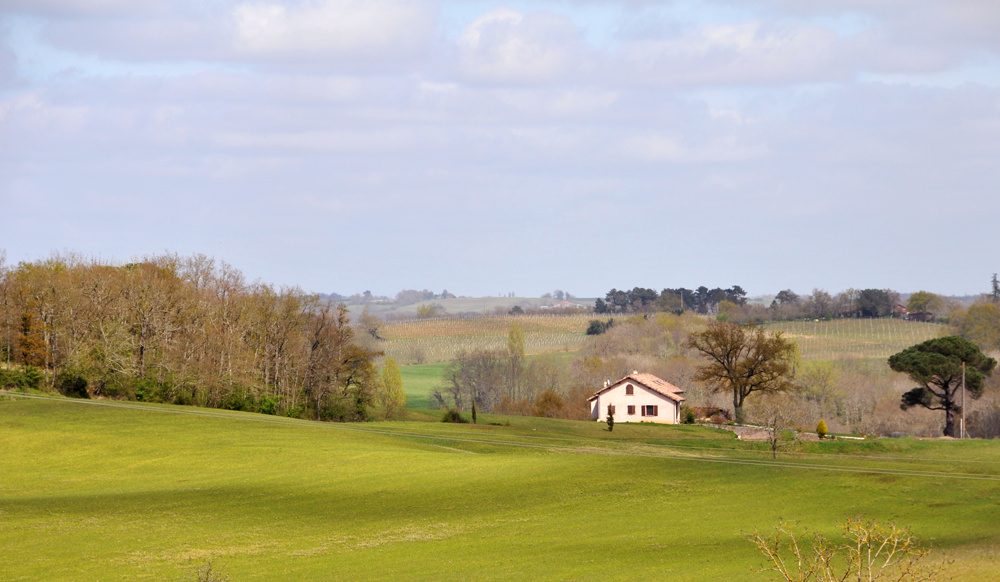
(184, 330)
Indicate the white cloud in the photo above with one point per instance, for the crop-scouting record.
(738, 54)
(333, 28)
(87, 8)
(506, 46)
(660, 148)
(515, 136)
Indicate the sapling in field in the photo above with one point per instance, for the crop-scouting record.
(869, 551)
(611, 418)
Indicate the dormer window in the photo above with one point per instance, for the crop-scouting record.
(628, 389)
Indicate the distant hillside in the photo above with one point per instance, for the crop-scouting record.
(439, 340)
(460, 305)
(856, 338)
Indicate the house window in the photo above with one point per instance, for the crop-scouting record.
(631, 409)
(628, 389)
(650, 410)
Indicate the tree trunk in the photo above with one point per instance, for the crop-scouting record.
(949, 422)
(738, 415)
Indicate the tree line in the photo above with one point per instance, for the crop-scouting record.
(183, 330)
(641, 300)
(732, 304)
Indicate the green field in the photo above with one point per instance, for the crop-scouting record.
(419, 380)
(142, 492)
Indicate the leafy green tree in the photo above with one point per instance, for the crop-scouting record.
(611, 418)
(742, 360)
(597, 327)
(937, 366)
(924, 301)
(821, 429)
(515, 361)
(981, 325)
(390, 393)
(876, 302)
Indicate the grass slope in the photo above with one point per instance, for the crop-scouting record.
(91, 492)
(419, 380)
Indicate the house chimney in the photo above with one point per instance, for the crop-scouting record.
(635, 371)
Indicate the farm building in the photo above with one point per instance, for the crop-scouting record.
(638, 398)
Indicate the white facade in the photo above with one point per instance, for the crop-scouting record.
(634, 401)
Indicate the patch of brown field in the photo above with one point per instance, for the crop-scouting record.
(200, 554)
(411, 533)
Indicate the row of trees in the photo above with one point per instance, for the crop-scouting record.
(639, 300)
(732, 303)
(183, 330)
(821, 305)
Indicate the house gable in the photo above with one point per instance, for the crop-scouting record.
(638, 398)
(650, 383)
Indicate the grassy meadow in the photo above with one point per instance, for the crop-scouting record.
(419, 380)
(124, 491)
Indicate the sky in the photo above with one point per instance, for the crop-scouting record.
(486, 148)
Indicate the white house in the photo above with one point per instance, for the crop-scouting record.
(638, 398)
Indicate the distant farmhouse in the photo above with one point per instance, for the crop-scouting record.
(638, 398)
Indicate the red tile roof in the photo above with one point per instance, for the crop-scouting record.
(658, 385)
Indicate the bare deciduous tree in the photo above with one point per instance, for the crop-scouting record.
(742, 360)
(184, 330)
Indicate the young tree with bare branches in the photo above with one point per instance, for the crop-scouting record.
(869, 551)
